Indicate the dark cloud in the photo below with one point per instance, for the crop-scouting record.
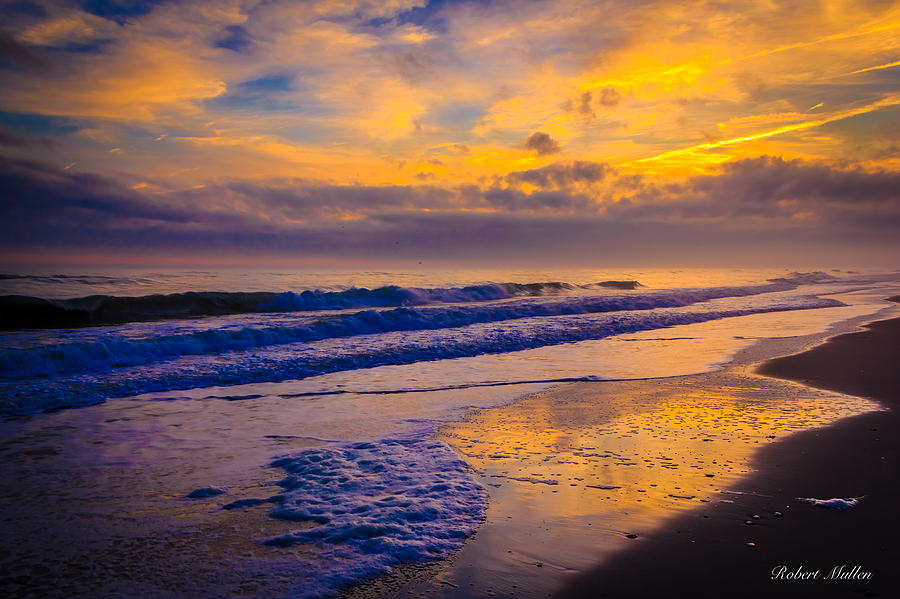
(581, 106)
(234, 38)
(751, 84)
(429, 16)
(8, 137)
(773, 180)
(42, 203)
(24, 8)
(583, 239)
(561, 175)
(774, 190)
(38, 126)
(120, 10)
(608, 97)
(751, 208)
(545, 202)
(415, 66)
(542, 143)
(16, 55)
(301, 200)
(584, 106)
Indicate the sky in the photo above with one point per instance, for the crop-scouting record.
(450, 131)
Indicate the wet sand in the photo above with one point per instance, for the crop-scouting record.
(705, 553)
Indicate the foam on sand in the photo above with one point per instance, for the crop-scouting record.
(835, 503)
(374, 505)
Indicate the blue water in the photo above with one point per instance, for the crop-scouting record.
(307, 332)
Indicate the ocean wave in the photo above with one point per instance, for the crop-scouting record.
(615, 285)
(392, 295)
(113, 351)
(301, 360)
(806, 278)
(26, 312)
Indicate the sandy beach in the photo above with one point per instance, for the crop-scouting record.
(705, 552)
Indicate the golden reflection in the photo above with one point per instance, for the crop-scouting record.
(621, 457)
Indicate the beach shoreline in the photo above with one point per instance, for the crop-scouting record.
(798, 549)
(444, 579)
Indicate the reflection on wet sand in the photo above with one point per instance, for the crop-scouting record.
(576, 472)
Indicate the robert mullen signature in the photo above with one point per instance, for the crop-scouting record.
(841, 572)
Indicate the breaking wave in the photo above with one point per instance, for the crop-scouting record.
(25, 312)
(302, 360)
(115, 351)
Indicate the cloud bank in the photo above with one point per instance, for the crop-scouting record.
(756, 207)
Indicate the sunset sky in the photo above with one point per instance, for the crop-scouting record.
(326, 132)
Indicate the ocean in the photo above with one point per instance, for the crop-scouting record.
(282, 424)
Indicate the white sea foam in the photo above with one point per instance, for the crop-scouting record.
(48, 369)
(394, 295)
(373, 505)
(112, 350)
(300, 360)
(835, 503)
